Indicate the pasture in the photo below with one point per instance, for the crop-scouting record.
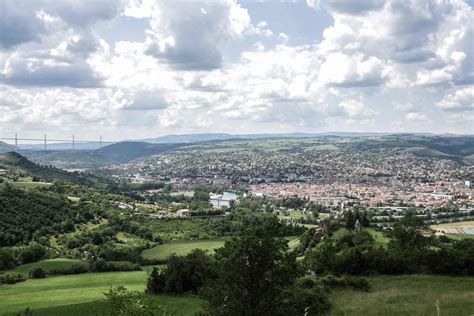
(81, 294)
(181, 247)
(48, 265)
(407, 295)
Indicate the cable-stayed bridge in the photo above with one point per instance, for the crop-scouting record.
(17, 141)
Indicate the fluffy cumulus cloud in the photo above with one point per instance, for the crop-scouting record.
(460, 100)
(150, 67)
(52, 42)
(187, 34)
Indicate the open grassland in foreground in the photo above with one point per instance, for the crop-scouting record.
(408, 295)
(181, 247)
(390, 295)
(81, 294)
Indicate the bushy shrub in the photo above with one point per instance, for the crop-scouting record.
(12, 278)
(32, 253)
(128, 303)
(304, 297)
(74, 269)
(100, 265)
(182, 274)
(332, 282)
(37, 273)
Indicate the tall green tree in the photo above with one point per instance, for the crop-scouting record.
(253, 272)
(350, 220)
(411, 232)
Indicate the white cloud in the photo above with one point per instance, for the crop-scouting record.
(354, 109)
(461, 100)
(415, 116)
(58, 53)
(353, 71)
(185, 38)
(207, 66)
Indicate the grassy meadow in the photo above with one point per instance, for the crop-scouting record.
(390, 295)
(408, 295)
(181, 247)
(48, 265)
(81, 294)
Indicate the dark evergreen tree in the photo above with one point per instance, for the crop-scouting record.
(349, 220)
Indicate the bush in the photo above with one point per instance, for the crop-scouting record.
(129, 303)
(11, 278)
(7, 259)
(100, 265)
(182, 274)
(74, 269)
(332, 282)
(304, 297)
(32, 253)
(37, 273)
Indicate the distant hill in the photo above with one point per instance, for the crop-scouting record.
(4, 147)
(195, 138)
(452, 147)
(460, 147)
(13, 160)
(122, 152)
(64, 146)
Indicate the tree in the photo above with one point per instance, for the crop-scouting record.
(350, 220)
(364, 219)
(156, 282)
(34, 252)
(253, 270)
(411, 232)
(182, 274)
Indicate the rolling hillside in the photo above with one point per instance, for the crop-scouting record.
(12, 160)
(460, 148)
(122, 152)
(4, 147)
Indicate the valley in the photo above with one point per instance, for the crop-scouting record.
(152, 218)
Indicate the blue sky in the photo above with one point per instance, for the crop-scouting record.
(144, 68)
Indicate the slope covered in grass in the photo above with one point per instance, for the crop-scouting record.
(81, 294)
(48, 265)
(408, 295)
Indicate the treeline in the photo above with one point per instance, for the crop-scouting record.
(253, 274)
(412, 249)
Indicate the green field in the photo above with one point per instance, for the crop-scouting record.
(390, 295)
(408, 295)
(48, 265)
(461, 236)
(30, 184)
(379, 238)
(81, 294)
(181, 247)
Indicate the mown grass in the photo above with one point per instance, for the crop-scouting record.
(173, 305)
(30, 184)
(408, 295)
(81, 294)
(461, 236)
(379, 238)
(48, 265)
(181, 247)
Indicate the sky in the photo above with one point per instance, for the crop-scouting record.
(131, 69)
